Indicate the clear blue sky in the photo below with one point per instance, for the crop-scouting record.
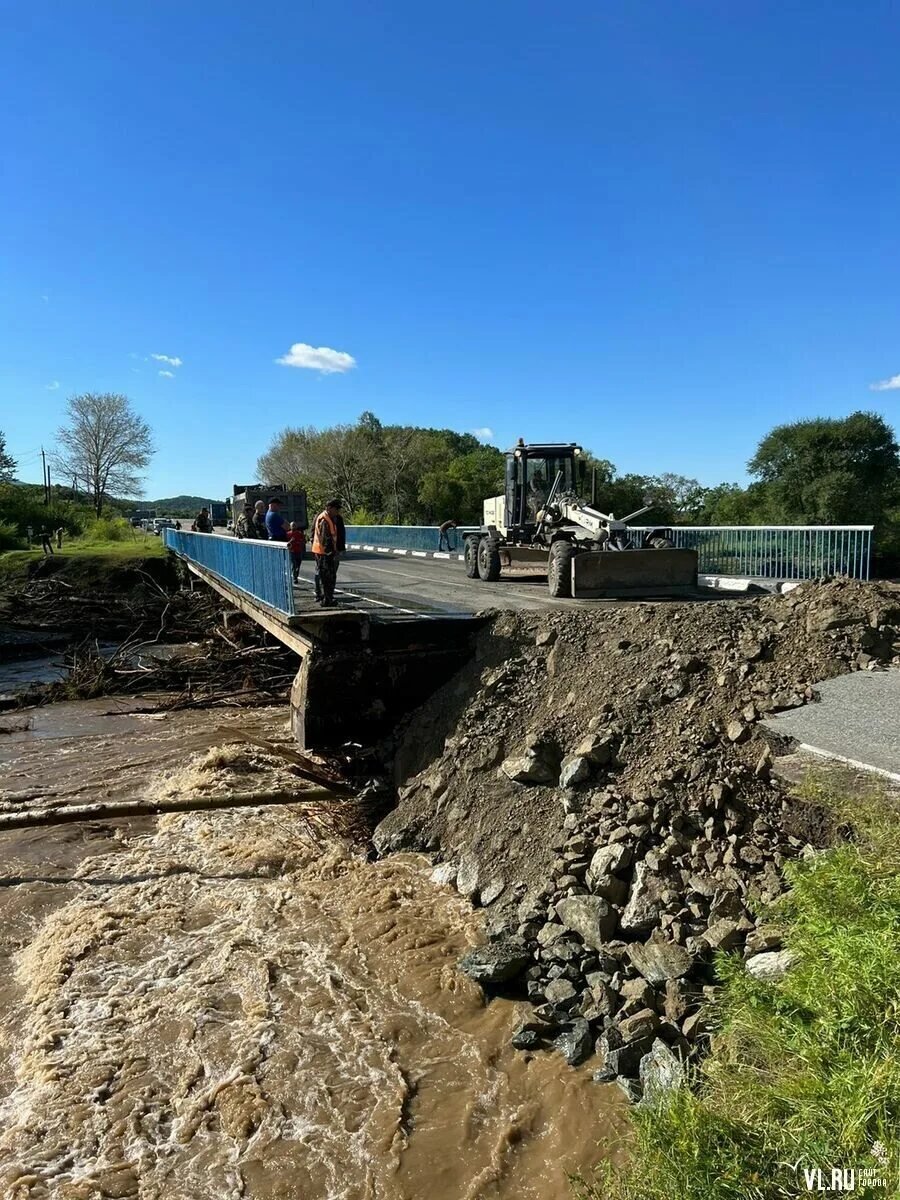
(658, 229)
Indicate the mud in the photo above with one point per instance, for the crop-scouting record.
(225, 1005)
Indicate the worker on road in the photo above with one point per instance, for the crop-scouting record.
(259, 521)
(326, 550)
(444, 531)
(202, 522)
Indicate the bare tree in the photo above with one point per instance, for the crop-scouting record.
(105, 443)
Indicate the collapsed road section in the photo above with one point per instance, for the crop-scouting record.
(602, 784)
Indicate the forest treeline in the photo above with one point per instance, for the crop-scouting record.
(822, 471)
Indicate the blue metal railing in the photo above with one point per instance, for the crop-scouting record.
(778, 551)
(758, 551)
(261, 569)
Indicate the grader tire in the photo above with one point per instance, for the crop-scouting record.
(488, 560)
(559, 570)
(471, 557)
(662, 543)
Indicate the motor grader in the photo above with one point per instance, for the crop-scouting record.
(541, 526)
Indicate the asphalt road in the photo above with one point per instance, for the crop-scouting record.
(856, 720)
(440, 585)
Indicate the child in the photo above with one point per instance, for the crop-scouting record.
(296, 544)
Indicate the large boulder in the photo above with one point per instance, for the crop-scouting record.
(660, 1073)
(659, 960)
(495, 963)
(530, 767)
(645, 901)
(770, 966)
(573, 770)
(575, 1043)
(591, 917)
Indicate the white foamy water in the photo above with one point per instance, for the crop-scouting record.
(218, 1005)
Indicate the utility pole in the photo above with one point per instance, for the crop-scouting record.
(44, 474)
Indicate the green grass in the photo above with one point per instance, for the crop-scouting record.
(17, 565)
(803, 1071)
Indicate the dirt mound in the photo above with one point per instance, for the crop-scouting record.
(600, 778)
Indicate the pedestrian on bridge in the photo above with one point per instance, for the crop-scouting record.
(275, 521)
(259, 521)
(202, 522)
(326, 550)
(245, 527)
(444, 531)
(296, 544)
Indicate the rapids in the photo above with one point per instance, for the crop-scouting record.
(208, 1006)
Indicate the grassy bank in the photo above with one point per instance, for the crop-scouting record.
(18, 565)
(803, 1074)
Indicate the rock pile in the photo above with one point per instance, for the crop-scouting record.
(606, 792)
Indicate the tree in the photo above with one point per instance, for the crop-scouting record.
(7, 462)
(105, 443)
(830, 471)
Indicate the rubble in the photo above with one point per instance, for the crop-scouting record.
(634, 823)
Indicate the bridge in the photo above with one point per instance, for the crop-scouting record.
(405, 613)
(364, 663)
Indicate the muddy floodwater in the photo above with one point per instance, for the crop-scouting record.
(218, 1005)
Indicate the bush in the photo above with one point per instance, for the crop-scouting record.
(9, 536)
(108, 529)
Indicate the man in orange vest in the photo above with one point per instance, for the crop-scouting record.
(326, 550)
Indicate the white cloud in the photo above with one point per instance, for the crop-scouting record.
(317, 358)
(886, 385)
(173, 362)
(51, 387)
(167, 374)
(484, 434)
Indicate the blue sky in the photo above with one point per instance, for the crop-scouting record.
(657, 229)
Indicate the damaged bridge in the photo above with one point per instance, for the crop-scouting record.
(363, 663)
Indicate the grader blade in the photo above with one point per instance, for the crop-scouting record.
(600, 573)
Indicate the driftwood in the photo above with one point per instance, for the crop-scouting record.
(68, 814)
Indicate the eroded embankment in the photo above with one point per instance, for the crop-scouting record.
(599, 781)
(238, 1004)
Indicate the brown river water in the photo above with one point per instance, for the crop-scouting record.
(229, 1004)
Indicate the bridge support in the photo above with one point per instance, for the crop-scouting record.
(358, 674)
(358, 692)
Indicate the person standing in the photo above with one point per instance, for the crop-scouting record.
(275, 522)
(259, 521)
(46, 543)
(296, 544)
(444, 531)
(325, 548)
(245, 527)
(202, 523)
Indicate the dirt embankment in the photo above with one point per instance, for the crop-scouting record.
(599, 781)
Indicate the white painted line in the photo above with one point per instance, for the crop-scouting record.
(368, 547)
(354, 546)
(399, 552)
(851, 762)
(418, 554)
(440, 554)
(383, 549)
